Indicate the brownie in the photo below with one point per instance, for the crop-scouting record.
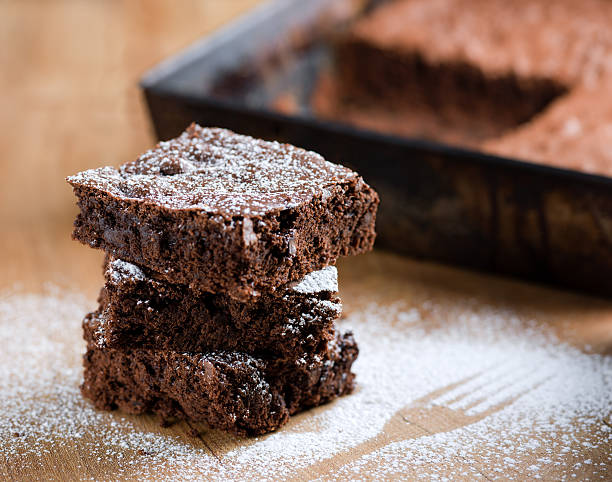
(414, 118)
(228, 390)
(565, 41)
(226, 213)
(575, 132)
(464, 71)
(141, 311)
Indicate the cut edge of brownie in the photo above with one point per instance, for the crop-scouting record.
(230, 391)
(401, 80)
(140, 311)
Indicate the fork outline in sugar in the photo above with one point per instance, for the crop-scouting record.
(406, 423)
(465, 398)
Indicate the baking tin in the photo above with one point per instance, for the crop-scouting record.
(439, 202)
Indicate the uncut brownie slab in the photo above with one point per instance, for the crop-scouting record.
(464, 71)
(222, 212)
(228, 390)
(575, 132)
(141, 311)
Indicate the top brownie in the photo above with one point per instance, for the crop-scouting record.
(226, 213)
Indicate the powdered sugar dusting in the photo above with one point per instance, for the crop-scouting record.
(119, 270)
(325, 279)
(220, 172)
(485, 394)
(330, 305)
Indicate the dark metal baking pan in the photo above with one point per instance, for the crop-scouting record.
(438, 202)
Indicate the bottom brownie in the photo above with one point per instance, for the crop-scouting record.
(230, 391)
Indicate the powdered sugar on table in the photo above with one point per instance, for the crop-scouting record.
(484, 396)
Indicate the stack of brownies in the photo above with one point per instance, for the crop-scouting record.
(220, 298)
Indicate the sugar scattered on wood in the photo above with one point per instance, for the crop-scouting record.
(486, 395)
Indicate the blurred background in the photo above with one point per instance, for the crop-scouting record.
(70, 101)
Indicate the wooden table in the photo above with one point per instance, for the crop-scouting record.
(70, 102)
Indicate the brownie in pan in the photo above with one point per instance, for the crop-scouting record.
(471, 72)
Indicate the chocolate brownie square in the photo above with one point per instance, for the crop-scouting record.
(141, 311)
(228, 390)
(222, 212)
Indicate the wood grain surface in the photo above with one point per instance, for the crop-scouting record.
(70, 102)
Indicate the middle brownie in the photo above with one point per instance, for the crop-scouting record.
(141, 311)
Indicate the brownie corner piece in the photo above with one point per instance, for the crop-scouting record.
(223, 212)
